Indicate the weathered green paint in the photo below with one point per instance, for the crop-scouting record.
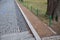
(50, 20)
(31, 8)
(37, 11)
(56, 18)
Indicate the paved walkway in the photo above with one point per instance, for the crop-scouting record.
(42, 29)
(12, 23)
(11, 19)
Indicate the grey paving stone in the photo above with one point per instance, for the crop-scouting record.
(9, 12)
(18, 36)
(12, 22)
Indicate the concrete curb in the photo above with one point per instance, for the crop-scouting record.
(50, 29)
(29, 24)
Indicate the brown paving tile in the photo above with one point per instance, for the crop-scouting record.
(39, 26)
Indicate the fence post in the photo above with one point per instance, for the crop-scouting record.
(26, 5)
(31, 8)
(50, 20)
(19, 0)
(56, 18)
(37, 11)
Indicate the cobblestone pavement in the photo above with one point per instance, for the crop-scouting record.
(11, 19)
